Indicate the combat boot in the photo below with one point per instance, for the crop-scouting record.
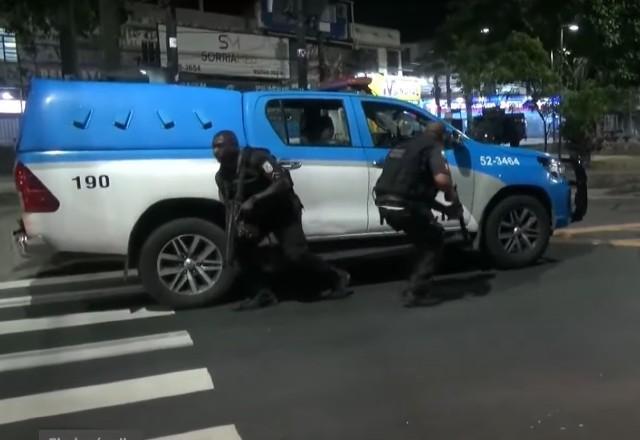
(340, 288)
(264, 298)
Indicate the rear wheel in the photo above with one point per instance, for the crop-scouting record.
(181, 263)
(517, 231)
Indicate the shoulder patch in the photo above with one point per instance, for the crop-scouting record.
(267, 167)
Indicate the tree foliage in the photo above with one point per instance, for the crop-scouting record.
(522, 58)
(470, 61)
(609, 35)
(27, 17)
(539, 18)
(70, 19)
(616, 26)
(582, 110)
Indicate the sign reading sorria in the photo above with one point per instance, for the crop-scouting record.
(224, 53)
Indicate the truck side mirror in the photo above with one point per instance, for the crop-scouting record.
(455, 140)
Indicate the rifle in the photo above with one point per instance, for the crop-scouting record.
(233, 212)
(463, 225)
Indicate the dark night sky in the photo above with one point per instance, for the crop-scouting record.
(415, 19)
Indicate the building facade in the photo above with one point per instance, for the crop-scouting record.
(253, 51)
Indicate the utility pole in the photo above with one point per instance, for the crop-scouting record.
(437, 93)
(68, 40)
(110, 34)
(301, 52)
(322, 62)
(171, 40)
(561, 91)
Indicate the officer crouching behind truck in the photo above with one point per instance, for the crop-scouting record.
(413, 173)
(267, 204)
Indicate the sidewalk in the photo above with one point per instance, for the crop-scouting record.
(7, 185)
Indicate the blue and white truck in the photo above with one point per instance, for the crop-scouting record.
(126, 169)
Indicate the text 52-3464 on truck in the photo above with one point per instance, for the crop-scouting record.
(127, 170)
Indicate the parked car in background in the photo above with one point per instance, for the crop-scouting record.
(495, 126)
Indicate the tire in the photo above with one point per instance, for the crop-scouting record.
(182, 233)
(516, 253)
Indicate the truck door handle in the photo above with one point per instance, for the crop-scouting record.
(378, 163)
(290, 164)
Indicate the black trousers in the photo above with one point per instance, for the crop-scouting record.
(428, 238)
(288, 231)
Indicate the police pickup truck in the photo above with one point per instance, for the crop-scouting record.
(126, 169)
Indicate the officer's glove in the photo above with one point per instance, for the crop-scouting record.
(452, 196)
(248, 232)
(248, 205)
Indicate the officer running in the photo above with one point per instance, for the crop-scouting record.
(412, 175)
(269, 206)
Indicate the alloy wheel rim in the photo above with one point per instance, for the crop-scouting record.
(189, 264)
(519, 231)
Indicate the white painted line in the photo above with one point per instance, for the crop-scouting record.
(97, 350)
(76, 320)
(613, 197)
(227, 432)
(80, 295)
(67, 279)
(631, 242)
(595, 229)
(621, 243)
(54, 403)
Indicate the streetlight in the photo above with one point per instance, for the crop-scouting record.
(485, 30)
(573, 28)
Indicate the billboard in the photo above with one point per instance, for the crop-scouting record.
(333, 18)
(400, 87)
(209, 52)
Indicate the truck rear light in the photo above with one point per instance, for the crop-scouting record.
(35, 196)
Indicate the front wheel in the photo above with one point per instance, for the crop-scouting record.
(517, 231)
(181, 263)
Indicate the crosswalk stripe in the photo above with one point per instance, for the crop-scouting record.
(76, 320)
(66, 279)
(596, 229)
(227, 432)
(91, 397)
(80, 295)
(92, 351)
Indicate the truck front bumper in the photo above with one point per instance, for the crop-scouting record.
(579, 204)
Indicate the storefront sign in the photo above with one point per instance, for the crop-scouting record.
(364, 35)
(400, 87)
(223, 53)
(333, 21)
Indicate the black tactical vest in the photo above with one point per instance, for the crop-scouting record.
(406, 174)
(254, 179)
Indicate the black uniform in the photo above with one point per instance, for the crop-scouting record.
(280, 215)
(404, 194)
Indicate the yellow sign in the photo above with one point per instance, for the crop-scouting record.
(399, 87)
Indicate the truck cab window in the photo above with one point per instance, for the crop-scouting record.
(310, 122)
(391, 124)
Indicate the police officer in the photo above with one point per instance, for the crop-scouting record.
(412, 175)
(269, 206)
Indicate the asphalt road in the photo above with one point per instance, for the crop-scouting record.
(541, 353)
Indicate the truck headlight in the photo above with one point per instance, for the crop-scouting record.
(555, 167)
